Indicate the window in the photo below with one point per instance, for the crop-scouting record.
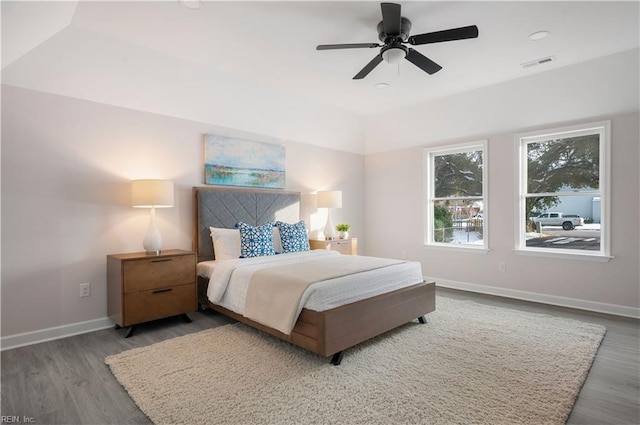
(563, 202)
(455, 199)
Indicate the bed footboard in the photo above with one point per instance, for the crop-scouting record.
(333, 331)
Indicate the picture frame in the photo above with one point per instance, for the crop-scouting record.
(230, 161)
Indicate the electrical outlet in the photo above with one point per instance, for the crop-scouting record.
(502, 267)
(85, 290)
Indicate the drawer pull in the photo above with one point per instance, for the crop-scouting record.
(162, 260)
(159, 291)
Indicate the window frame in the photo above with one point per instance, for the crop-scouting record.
(603, 128)
(429, 194)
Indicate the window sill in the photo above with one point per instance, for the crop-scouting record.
(458, 248)
(601, 258)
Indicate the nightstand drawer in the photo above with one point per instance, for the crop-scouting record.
(344, 246)
(158, 272)
(158, 303)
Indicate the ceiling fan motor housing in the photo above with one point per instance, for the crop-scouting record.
(405, 28)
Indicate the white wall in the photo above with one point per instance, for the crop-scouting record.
(66, 166)
(66, 170)
(395, 228)
(604, 88)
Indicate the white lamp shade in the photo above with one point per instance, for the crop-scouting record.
(152, 193)
(329, 199)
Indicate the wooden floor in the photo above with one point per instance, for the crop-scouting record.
(66, 381)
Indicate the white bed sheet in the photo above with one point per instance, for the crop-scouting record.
(229, 280)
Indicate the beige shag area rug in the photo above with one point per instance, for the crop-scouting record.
(470, 364)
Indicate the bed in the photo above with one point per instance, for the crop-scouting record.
(328, 332)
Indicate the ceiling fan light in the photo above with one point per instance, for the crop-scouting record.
(394, 55)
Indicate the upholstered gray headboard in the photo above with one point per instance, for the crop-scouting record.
(224, 207)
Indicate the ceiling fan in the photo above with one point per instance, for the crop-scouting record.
(393, 31)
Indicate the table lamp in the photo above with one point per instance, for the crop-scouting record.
(329, 199)
(152, 194)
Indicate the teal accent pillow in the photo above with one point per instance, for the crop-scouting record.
(256, 241)
(293, 237)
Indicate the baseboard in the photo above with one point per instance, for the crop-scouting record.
(64, 331)
(58, 332)
(614, 309)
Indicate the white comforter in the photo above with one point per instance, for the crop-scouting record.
(229, 279)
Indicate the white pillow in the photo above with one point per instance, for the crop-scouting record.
(226, 243)
(277, 245)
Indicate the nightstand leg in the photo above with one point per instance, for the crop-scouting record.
(336, 359)
(130, 332)
(422, 320)
(185, 318)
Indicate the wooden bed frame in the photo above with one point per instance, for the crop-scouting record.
(327, 333)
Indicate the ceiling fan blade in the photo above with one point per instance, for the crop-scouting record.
(368, 68)
(391, 18)
(346, 46)
(446, 35)
(422, 62)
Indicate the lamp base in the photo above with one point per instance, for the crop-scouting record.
(329, 230)
(152, 242)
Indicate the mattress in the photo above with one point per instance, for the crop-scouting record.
(229, 280)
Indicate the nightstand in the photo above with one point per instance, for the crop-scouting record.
(143, 287)
(344, 246)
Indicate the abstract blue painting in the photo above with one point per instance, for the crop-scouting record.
(229, 161)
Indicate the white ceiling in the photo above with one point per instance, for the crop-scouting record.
(272, 44)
